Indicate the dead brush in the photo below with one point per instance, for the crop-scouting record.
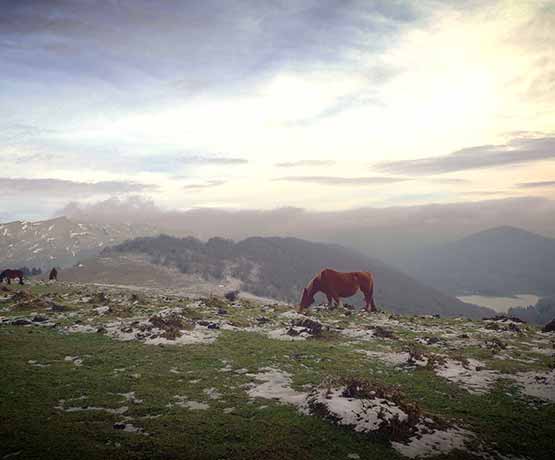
(214, 302)
(435, 361)
(172, 325)
(415, 354)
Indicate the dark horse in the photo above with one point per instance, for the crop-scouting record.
(10, 275)
(53, 276)
(336, 285)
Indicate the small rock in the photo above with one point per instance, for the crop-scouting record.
(39, 319)
(21, 322)
(232, 295)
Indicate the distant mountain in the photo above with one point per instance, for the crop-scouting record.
(498, 261)
(60, 241)
(541, 313)
(270, 267)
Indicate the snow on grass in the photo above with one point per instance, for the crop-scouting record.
(471, 375)
(275, 384)
(427, 443)
(183, 401)
(539, 385)
(289, 334)
(364, 415)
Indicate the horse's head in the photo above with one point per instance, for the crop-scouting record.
(309, 291)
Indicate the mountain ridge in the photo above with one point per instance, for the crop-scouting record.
(272, 267)
(502, 260)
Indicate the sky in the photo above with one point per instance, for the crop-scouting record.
(323, 105)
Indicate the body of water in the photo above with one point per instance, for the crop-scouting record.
(501, 304)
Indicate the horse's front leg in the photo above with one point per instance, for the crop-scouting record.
(330, 301)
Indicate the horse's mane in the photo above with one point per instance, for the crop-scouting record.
(311, 284)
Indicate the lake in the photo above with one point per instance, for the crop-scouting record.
(501, 304)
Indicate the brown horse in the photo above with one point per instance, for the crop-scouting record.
(10, 275)
(336, 285)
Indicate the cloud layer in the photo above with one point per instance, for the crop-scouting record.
(346, 181)
(518, 151)
(66, 188)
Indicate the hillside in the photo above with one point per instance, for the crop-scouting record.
(499, 261)
(60, 242)
(541, 313)
(93, 372)
(268, 267)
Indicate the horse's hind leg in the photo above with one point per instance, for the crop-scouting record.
(369, 298)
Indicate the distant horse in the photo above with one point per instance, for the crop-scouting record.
(53, 276)
(10, 275)
(336, 285)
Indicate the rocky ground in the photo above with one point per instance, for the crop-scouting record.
(109, 372)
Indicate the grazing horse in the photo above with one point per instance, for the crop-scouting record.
(53, 276)
(339, 284)
(10, 275)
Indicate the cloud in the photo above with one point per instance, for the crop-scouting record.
(64, 188)
(484, 193)
(300, 163)
(518, 151)
(332, 180)
(541, 184)
(205, 185)
(449, 181)
(206, 160)
(215, 43)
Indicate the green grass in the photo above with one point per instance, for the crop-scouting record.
(30, 423)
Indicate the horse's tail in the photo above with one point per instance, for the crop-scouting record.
(366, 283)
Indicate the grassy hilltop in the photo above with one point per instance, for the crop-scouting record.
(103, 372)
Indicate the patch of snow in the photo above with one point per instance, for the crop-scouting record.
(182, 401)
(275, 385)
(539, 385)
(118, 411)
(130, 428)
(131, 397)
(472, 376)
(74, 359)
(281, 334)
(212, 393)
(364, 415)
(394, 358)
(358, 334)
(428, 442)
